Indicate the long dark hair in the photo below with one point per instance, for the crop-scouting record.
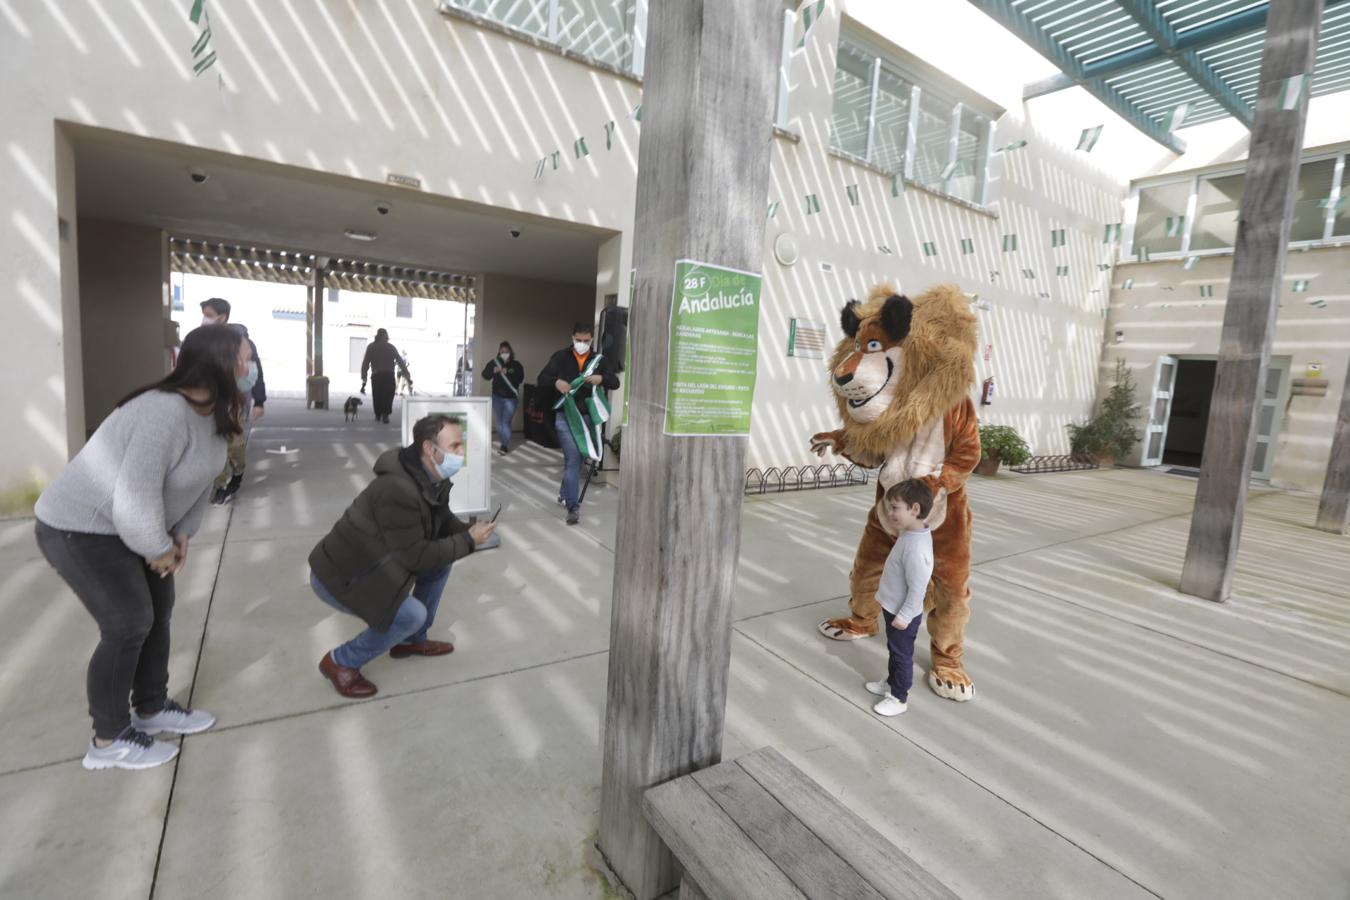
(507, 345)
(207, 360)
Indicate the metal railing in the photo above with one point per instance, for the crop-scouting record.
(803, 478)
(1072, 462)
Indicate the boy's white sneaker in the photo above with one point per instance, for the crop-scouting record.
(889, 706)
(880, 688)
(131, 750)
(173, 719)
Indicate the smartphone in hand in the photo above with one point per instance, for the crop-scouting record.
(495, 515)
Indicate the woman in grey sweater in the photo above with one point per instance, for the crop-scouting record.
(115, 524)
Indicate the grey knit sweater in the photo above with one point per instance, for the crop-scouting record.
(144, 476)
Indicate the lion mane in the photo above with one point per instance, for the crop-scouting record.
(938, 368)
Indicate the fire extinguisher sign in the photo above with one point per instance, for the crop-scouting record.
(987, 391)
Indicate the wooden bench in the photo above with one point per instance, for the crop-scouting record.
(758, 827)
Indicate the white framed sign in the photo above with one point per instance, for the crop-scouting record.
(472, 485)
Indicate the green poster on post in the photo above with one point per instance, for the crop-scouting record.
(714, 350)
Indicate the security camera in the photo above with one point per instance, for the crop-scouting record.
(198, 176)
(514, 232)
(383, 208)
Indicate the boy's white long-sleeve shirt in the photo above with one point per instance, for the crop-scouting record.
(904, 580)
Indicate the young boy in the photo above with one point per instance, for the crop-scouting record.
(904, 581)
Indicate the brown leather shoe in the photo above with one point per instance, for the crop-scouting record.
(348, 682)
(422, 648)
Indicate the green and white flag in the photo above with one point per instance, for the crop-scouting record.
(609, 135)
(586, 434)
(967, 246)
(929, 248)
(1206, 290)
(951, 169)
(1291, 92)
(852, 191)
(810, 14)
(1142, 254)
(886, 250)
(1175, 225)
(773, 209)
(897, 185)
(1057, 237)
(1062, 271)
(1128, 285)
(1190, 262)
(1178, 115)
(1301, 286)
(1029, 274)
(580, 149)
(201, 59)
(1088, 139)
(1015, 145)
(812, 204)
(1319, 304)
(1329, 203)
(1112, 233)
(1009, 243)
(539, 168)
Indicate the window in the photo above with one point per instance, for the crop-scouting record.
(1163, 223)
(1314, 186)
(1160, 225)
(604, 30)
(1216, 212)
(900, 125)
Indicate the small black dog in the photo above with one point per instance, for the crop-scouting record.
(349, 409)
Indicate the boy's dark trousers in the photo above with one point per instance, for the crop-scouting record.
(900, 643)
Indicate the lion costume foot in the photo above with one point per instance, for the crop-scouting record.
(846, 629)
(951, 684)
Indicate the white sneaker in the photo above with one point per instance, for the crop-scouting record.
(889, 706)
(131, 750)
(880, 688)
(174, 719)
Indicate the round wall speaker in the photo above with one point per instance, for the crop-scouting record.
(785, 249)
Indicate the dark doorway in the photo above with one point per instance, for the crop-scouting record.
(1190, 412)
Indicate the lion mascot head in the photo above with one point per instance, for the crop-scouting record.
(902, 364)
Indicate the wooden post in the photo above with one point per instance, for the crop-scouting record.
(1253, 298)
(318, 316)
(1335, 504)
(703, 181)
(309, 331)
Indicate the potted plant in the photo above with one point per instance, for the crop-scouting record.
(1000, 444)
(1109, 434)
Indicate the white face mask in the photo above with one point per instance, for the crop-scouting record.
(581, 347)
(209, 320)
(505, 356)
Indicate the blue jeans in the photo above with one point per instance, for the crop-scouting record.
(503, 411)
(571, 479)
(414, 617)
(900, 644)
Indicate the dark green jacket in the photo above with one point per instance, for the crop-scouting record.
(399, 527)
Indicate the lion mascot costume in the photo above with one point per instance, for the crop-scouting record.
(901, 378)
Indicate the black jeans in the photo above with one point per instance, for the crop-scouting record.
(382, 386)
(900, 644)
(132, 606)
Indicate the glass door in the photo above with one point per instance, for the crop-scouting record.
(1273, 398)
(1159, 410)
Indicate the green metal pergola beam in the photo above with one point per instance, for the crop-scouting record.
(1156, 26)
(1003, 12)
(1190, 40)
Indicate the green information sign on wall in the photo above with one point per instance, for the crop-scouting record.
(714, 350)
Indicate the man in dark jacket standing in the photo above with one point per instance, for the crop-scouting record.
(380, 362)
(575, 372)
(216, 311)
(388, 558)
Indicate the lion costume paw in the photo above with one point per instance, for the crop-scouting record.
(951, 684)
(845, 629)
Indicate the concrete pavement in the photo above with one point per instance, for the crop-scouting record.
(1126, 741)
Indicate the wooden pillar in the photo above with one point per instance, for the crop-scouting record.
(1335, 504)
(309, 331)
(316, 290)
(1253, 298)
(703, 180)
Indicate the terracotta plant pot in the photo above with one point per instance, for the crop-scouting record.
(1105, 460)
(988, 465)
